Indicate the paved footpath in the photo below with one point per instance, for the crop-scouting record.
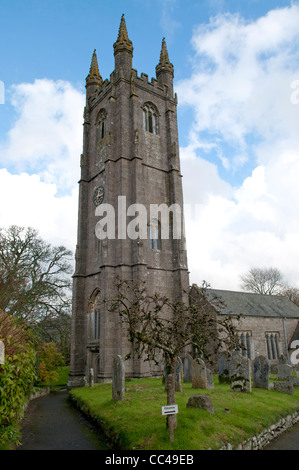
(288, 440)
(51, 423)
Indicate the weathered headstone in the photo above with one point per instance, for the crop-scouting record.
(284, 371)
(240, 380)
(118, 379)
(201, 376)
(210, 380)
(260, 372)
(285, 387)
(91, 378)
(198, 374)
(201, 401)
(2, 353)
(295, 381)
(187, 368)
(178, 375)
(223, 368)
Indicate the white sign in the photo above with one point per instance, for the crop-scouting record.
(170, 410)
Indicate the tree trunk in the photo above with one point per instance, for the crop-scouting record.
(170, 387)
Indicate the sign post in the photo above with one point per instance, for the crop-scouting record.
(170, 410)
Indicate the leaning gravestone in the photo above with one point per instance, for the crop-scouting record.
(201, 376)
(187, 368)
(223, 368)
(118, 379)
(239, 373)
(2, 353)
(260, 372)
(178, 375)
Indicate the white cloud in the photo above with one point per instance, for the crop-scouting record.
(240, 90)
(38, 187)
(29, 202)
(46, 137)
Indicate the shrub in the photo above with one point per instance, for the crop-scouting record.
(48, 361)
(17, 375)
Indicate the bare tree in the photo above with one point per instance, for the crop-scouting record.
(292, 293)
(266, 281)
(34, 276)
(156, 325)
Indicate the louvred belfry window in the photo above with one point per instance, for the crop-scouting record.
(150, 119)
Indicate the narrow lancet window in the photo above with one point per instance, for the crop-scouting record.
(150, 119)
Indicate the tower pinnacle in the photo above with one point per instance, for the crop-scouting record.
(164, 65)
(123, 42)
(94, 77)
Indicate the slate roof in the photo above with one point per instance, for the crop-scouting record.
(295, 336)
(249, 304)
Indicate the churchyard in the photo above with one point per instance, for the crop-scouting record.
(241, 407)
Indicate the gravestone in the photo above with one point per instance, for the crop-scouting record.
(91, 378)
(260, 372)
(295, 381)
(210, 380)
(239, 373)
(283, 369)
(285, 387)
(178, 375)
(118, 379)
(201, 401)
(223, 368)
(187, 368)
(201, 376)
(2, 353)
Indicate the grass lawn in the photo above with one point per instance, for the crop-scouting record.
(137, 423)
(62, 379)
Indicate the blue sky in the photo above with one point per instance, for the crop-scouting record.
(235, 64)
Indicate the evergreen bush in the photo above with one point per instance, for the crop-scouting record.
(17, 376)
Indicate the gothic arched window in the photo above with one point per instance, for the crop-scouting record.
(101, 125)
(96, 325)
(273, 348)
(243, 343)
(150, 118)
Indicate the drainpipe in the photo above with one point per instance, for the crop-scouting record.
(285, 339)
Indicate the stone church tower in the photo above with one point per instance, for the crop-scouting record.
(130, 156)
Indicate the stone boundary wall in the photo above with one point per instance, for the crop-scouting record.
(36, 394)
(259, 441)
(254, 443)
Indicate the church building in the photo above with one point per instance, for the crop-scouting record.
(129, 164)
